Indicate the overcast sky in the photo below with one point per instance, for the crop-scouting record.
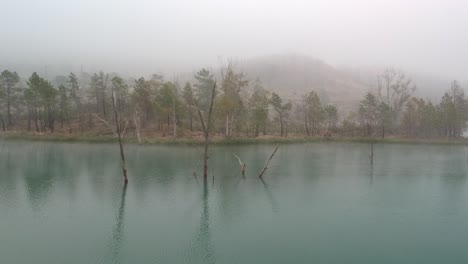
(425, 36)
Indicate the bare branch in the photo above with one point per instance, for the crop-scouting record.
(268, 162)
(125, 129)
(106, 123)
(201, 119)
(243, 165)
(240, 161)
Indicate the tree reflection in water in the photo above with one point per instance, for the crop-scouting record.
(201, 249)
(117, 231)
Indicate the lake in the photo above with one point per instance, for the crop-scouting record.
(318, 203)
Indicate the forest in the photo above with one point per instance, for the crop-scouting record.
(242, 108)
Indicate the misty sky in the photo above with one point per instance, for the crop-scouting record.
(137, 35)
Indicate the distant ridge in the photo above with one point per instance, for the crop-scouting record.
(294, 75)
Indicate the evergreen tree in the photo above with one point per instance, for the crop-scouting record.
(8, 83)
(282, 109)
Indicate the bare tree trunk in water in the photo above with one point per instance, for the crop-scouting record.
(242, 164)
(268, 162)
(119, 135)
(206, 130)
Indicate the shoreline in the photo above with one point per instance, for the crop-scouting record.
(64, 138)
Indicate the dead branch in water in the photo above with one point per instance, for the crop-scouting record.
(243, 165)
(268, 162)
(206, 130)
(120, 133)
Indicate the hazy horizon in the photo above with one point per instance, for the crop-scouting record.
(145, 36)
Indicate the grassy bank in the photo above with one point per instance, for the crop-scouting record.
(219, 140)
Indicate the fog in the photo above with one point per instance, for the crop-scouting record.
(141, 37)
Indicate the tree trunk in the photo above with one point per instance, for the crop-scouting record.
(97, 102)
(206, 130)
(231, 127)
(190, 115)
(268, 162)
(205, 159)
(174, 118)
(3, 123)
(35, 119)
(286, 130)
(306, 125)
(29, 119)
(257, 124)
(313, 127)
(61, 119)
(122, 156)
(119, 135)
(383, 130)
(10, 123)
(281, 123)
(137, 130)
(227, 126)
(104, 103)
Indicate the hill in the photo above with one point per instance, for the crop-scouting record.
(294, 75)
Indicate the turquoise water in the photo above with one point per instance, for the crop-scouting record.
(318, 203)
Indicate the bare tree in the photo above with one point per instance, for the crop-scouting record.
(394, 89)
(120, 123)
(206, 130)
(119, 120)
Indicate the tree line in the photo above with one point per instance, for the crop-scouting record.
(242, 107)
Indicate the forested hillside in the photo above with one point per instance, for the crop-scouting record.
(279, 96)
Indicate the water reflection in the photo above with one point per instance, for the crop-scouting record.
(202, 246)
(370, 173)
(271, 198)
(73, 186)
(8, 176)
(117, 231)
(39, 176)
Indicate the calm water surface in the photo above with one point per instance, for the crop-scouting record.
(318, 203)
